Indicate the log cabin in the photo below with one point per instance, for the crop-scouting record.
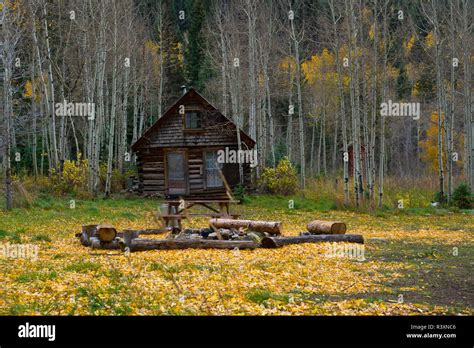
(177, 156)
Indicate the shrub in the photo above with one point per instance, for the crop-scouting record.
(281, 180)
(239, 192)
(440, 198)
(462, 196)
(72, 179)
(117, 180)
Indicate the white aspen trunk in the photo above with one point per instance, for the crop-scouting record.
(141, 122)
(450, 127)
(271, 125)
(224, 59)
(34, 144)
(289, 128)
(100, 73)
(54, 148)
(439, 96)
(352, 34)
(323, 136)
(371, 154)
(251, 16)
(300, 106)
(113, 115)
(342, 103)
(311, 156)
(382, 119)
(135, 106)
(161, 84)
(7, 62)
(336, 136)
(47, 109)
(318, 162)
(468, 118)
(124, 126)
(10, 31)
(363, 165)
(234, 82)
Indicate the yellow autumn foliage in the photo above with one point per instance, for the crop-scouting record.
(288, 65)
(319, 67)
(409, 45)
(371, 32)
(302, 279)
(429, 146)
(281, 180)
(71, 179)
(429, 40)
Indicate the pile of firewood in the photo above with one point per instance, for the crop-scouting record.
(227, 229)
(221, 234)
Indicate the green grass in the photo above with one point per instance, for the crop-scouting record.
(32, 276)
(261, 296)
(13, 236)
(298, 203)
(82, 267)
(41, 238)
(416, 260)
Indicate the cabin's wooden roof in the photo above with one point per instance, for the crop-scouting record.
(145, 139)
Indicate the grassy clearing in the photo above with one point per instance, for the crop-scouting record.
(425, 255)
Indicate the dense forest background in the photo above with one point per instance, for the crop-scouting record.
(305, 79)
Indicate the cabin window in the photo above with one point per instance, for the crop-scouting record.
(192, 120)
(213, 168)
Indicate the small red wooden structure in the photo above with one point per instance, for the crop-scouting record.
(350, 150)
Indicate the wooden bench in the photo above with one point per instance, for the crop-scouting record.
(168, 217)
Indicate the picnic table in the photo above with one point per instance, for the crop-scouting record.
(178, 209)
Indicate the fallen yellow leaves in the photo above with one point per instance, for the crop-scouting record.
(69, 279)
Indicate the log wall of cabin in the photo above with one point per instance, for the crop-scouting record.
(151, 173)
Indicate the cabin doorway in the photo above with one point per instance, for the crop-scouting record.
(176, 173)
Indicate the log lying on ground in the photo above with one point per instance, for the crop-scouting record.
(326, 227)
(141, 244)
(272, 227)
(155, 231)
(278, 242)
(106, 232)
(95, 243)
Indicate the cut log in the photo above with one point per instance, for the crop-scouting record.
(326, 227)
(106, 232)
(95, 243)
(278, 242)
(141, 244)
(128, 236)
(88, 231)
(272, 227)
(84, 239)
